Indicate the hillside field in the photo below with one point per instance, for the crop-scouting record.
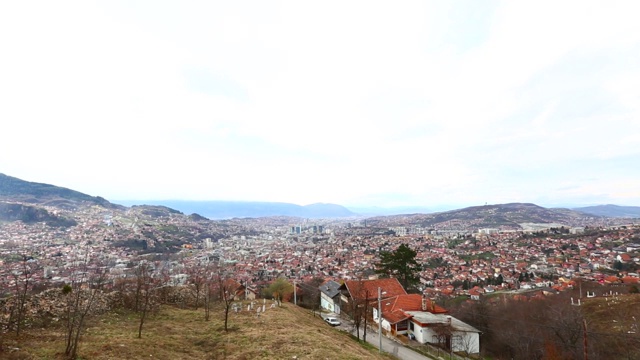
(288, 332)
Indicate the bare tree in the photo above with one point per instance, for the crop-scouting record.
(144, 287)
(197, 277)
(466, 344)
(22, 276)
(443, 335)
(365, 312)
(81, 294)
(357, 305)
(3, 325)
(227, 298)
(226, 295)
(567, 326)
(211, 288)
(309, 294)
(163, 276)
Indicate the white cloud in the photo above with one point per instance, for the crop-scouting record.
(304, 102)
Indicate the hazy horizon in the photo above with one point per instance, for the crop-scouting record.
(419, 103)
(435, 208)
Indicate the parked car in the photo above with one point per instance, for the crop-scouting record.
(332, 321)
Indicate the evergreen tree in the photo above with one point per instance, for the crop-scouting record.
(466, 285)
(400, 264)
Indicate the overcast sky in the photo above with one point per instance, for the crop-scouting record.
(388, 103)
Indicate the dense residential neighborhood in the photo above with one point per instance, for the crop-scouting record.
(260, 250)
(333, 264)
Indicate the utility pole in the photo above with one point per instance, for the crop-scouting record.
(580, 288)
(379, 321)
(586, 352)
(295, 295)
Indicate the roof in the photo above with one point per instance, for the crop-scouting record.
(368, 289)
(395, 309)
(395, 316)
(330, 288)
(410, 302)
(232, 286)
(428, 318)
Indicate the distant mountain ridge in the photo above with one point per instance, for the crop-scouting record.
(250, 209)
(14, 189)
(611, 211)
(502, 215)
(509, 216)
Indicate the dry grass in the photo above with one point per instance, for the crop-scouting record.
(615, 313)
(280, 333)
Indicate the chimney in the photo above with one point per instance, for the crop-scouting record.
(449, 320)
(424, 303)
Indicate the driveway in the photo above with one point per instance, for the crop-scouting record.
(388, 346)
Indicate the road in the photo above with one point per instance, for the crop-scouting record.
(388, 346)
(394, 348)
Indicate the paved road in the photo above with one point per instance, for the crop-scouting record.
(389, 346)
(394, 348)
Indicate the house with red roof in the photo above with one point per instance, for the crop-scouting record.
(239, 291)
(625, 258)
(475, 293)
(419, 317)
(394, 311)
(364, 291)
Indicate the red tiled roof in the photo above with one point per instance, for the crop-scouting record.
(395, 316)
(611, 279)
(232, 286)
(393, 308)
(410, 302)
(368, 289)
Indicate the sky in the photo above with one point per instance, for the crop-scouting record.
(359, 103)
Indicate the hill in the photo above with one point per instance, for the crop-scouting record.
(156, 210)
(611, 211)
(506, 216)
(31, 214)
(14, 189)
(288, 332)
(250, 209)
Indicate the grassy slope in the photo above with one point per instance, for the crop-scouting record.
(615, 314)
(172, 333)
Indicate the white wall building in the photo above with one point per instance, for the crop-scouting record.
(444, 329)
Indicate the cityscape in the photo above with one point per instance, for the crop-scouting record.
(419, 180)
(456, 259)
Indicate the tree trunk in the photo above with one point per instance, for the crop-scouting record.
(197, 297)
(226, 315)
(143, 316)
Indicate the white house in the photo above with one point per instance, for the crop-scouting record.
(445, 330)
(330, 296)
(395, 311)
